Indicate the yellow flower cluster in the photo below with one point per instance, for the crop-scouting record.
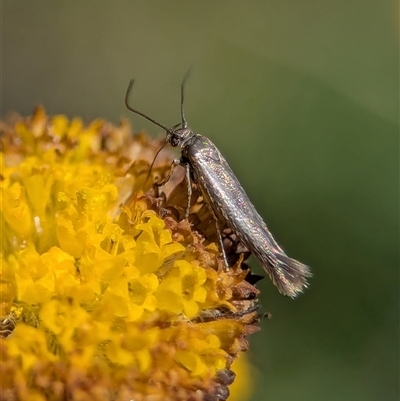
(100, 297)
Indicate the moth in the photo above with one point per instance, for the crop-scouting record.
(228, 202)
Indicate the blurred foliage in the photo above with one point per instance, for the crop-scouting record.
(302, 99)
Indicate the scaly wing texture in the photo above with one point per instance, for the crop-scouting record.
(230, 203)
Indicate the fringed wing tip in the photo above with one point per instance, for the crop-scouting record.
(288, 275)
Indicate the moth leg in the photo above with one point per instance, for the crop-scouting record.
(221, 244)
(174, 163)
(189, 189)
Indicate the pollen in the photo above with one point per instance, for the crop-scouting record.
(106, 291)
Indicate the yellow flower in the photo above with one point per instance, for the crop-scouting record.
(106, 293)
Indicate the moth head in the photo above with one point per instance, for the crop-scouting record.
(178, 136)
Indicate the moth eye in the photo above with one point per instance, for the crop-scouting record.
(174, 141)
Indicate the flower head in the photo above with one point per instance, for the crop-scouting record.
(106, 292)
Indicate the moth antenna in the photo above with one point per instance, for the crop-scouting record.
(129, 107)
(188, 72)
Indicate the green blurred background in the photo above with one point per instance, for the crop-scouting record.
(302, 99)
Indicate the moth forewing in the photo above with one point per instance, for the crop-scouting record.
(231, 205)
